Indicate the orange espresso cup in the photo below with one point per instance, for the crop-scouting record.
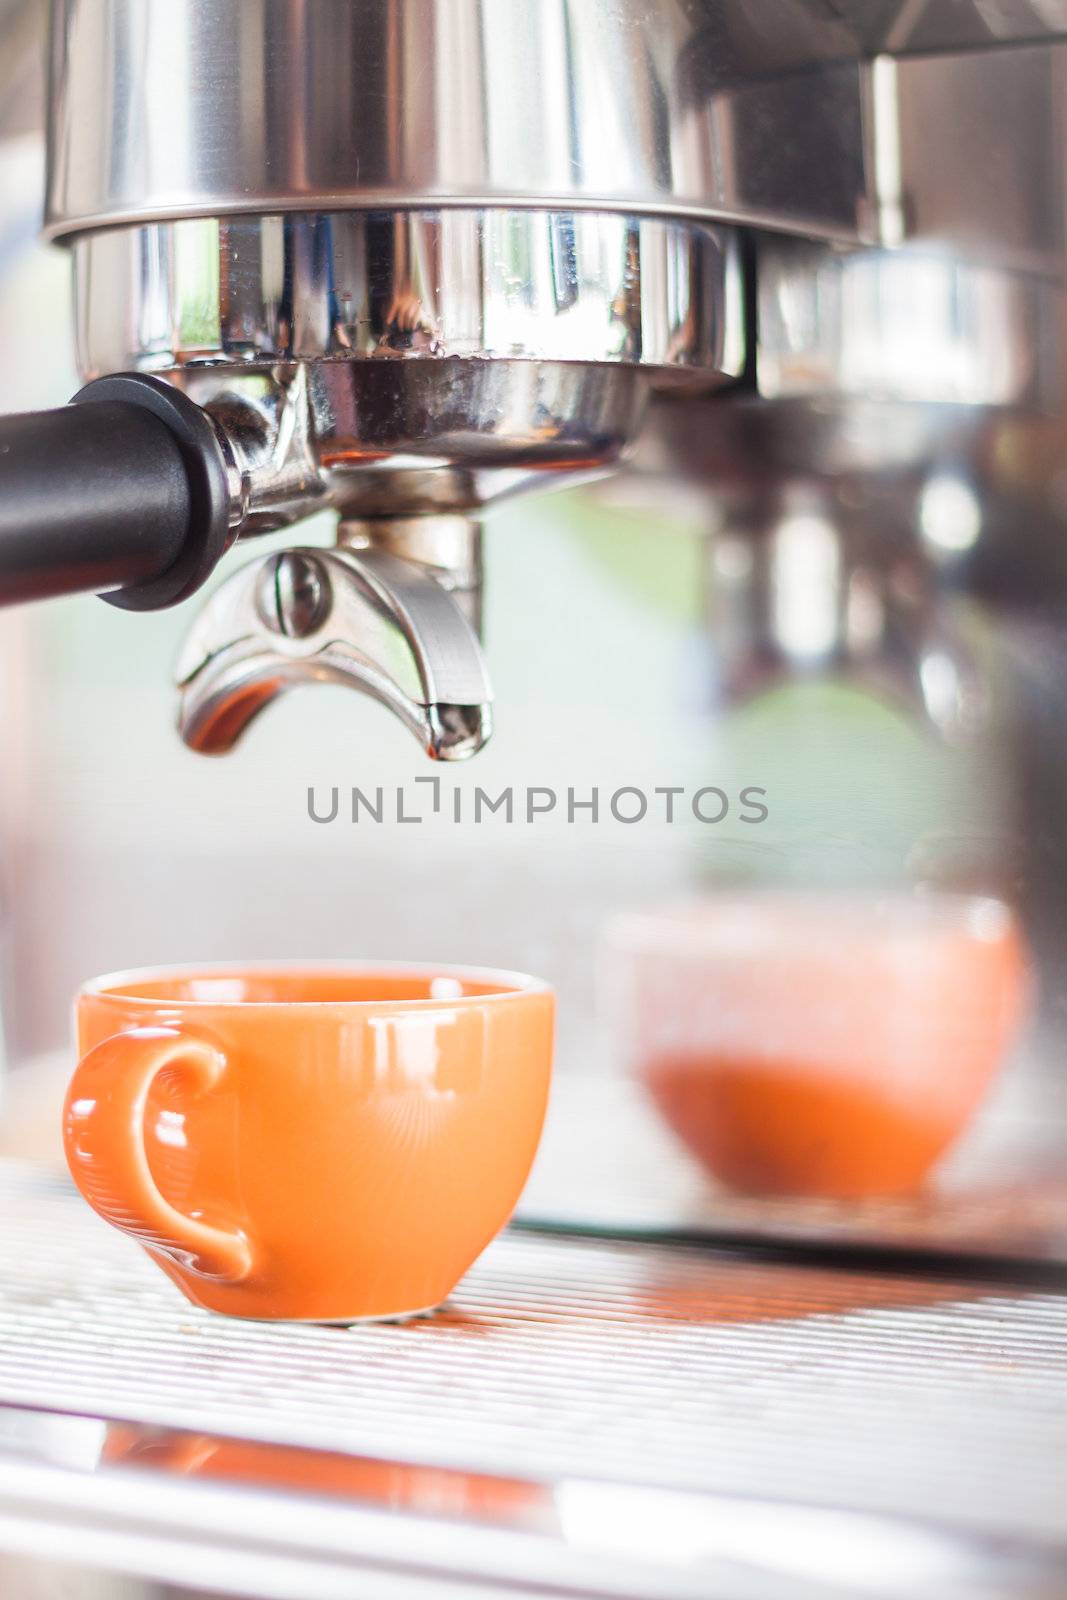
(322, 1144)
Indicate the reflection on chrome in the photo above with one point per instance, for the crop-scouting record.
(201, 1509)
(534, 285)
(749, 1021)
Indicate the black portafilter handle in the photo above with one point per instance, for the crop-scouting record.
(123, 493)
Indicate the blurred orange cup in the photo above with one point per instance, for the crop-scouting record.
(832, 1045)
(323, 1144)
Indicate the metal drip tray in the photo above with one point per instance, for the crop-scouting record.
(634, 1418)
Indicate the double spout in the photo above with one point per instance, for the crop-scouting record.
(393, 610)
(361, 614)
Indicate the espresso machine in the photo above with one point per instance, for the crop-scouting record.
(401, 261)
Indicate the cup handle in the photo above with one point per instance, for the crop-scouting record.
(103, 1134)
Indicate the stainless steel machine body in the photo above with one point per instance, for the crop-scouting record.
(412, 255)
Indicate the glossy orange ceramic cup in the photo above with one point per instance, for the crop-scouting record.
(324, 1144)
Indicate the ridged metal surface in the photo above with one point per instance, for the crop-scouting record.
(633, 1363)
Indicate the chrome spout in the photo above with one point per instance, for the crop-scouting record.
(368, 619)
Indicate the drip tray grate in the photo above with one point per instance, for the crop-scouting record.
(630, 1363)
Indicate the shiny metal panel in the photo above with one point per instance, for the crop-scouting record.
(945, 168)
(767, 113)
(205, 107)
